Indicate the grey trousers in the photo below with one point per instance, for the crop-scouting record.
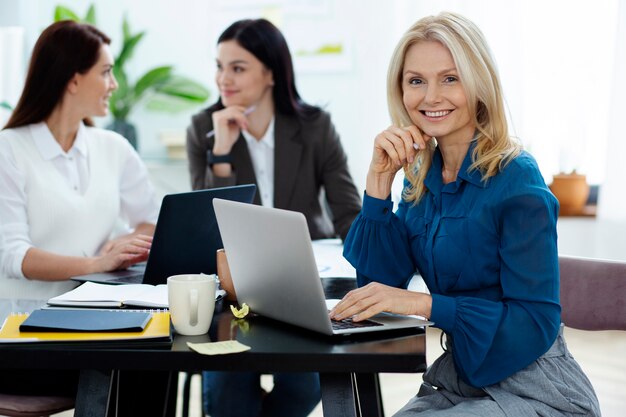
(554, 385)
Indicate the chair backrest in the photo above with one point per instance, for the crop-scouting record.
(593, 293)
(33, 406)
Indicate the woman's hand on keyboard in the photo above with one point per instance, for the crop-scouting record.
(374, 298)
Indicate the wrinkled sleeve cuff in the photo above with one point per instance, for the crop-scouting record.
(377, 209)
(443, 312)
(15, 264)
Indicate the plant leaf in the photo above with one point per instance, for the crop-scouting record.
(6, 105)
(64, 13)
(168, 104)
(184, 88)
(128, 48)
(152, 79)
(90, 17)
(125, 28)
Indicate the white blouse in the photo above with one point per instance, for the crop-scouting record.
(262, 156)
(138, 203)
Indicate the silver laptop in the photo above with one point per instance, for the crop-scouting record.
(274, 271)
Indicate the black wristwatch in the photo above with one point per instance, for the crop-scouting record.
(217, 159)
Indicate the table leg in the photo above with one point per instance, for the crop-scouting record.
(369, 395)
(149, 393)
(338, 395)
(94, 390)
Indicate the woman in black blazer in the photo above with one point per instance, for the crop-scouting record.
(260, 131)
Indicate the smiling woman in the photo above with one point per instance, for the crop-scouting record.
(98, 83)
(57, 171)
(471, 194)
(436, 101)
(64, 183)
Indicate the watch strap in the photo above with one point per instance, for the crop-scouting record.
(217, 159)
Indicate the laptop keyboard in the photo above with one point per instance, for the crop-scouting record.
(349, 324)
(132, 279)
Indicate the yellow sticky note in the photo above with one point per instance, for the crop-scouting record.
(218, 348)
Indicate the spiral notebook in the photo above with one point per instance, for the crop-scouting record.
(92, 294)
(156, 333)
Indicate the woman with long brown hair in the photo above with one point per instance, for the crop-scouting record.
(63, 182)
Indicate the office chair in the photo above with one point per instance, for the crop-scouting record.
(33, 405)
(593, 293)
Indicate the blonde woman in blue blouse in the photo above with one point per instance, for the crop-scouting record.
(478, 223)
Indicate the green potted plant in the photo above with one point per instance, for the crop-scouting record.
(160, 88)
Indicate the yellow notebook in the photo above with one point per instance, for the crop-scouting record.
(157, 330)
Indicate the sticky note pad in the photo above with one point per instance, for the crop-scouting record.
(219, 348)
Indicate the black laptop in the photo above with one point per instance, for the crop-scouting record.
(185, 239)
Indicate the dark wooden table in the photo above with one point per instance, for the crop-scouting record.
(348, 365)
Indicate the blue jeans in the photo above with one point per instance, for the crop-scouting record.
(239, 394)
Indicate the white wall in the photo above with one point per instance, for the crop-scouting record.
(555, 60)
(11, 67)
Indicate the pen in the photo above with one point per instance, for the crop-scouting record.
(245, 112)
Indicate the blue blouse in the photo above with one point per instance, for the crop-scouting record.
(487, 252)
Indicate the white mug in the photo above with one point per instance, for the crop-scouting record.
(191, 300)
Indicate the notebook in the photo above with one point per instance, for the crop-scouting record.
(185, 239)
(157, 333)
(273, 269)
(85, 321)
(98, 295)
(94, 294)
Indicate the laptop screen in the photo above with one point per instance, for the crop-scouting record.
(186, 236)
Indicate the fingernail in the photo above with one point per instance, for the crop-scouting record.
(416, 146)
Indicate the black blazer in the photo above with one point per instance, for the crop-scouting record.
(307, 156)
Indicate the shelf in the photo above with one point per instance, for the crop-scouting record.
(587, 211)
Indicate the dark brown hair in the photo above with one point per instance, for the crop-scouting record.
(63, 49)
(265, 41)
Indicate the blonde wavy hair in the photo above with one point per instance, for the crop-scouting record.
(481, 83)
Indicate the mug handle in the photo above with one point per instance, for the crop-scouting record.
(193, 302)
